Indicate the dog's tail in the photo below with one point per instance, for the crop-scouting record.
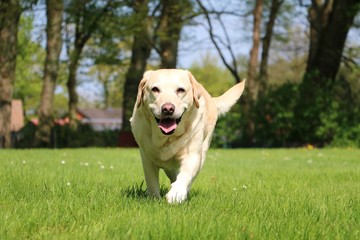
(229, 98)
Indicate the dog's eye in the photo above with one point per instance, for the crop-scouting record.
(155, 90)
(180, 90)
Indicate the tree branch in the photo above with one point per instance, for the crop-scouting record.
(231, 67)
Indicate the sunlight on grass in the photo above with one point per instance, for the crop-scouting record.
(260, 193)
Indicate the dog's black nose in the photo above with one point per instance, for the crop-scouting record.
(168, 108)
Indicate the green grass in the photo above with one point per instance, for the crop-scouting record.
(239, 194)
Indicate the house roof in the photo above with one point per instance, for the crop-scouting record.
(101, 115)
(17, 115)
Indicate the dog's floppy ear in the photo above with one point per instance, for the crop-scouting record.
(141, 88)
(195, 88)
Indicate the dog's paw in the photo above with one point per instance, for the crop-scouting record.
(177, 193)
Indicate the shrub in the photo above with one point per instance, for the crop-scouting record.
(274, 117)
(67, 137)
(227, 133)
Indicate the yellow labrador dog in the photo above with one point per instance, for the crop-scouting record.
(173, 121)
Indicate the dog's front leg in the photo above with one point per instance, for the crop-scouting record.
(151, 172)
(189, 168)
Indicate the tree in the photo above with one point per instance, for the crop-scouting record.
(169, 29)
(53, 47)
(140, 53)
(29, 66)
(110, 76)
(168, 17)
(10, 11)
(266, 42)
(289, 58)
(85, 15)
(109, 50)
(219, 43)
(327, 44)
(252, 77)
(330, 22)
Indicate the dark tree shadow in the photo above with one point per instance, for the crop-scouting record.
(138, 191)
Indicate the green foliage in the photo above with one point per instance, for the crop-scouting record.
(274, 116)
(111, 77)
(60, 103)
(228, 132)
(342, 121)
(325, 110)
(279, 122)
(29, 67)
(61, 94)
(349, 137)
(240, 194)
(289, 60)
(283, 118)
(214, 78)
(29, 71)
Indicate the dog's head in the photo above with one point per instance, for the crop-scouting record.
(168, 94)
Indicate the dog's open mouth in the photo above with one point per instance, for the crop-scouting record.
(168, 125)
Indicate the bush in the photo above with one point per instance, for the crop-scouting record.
(348, 130)
(347, 138)
(332, 119)
(274, 117)
(83, 136)
(67, 137)
(227, 132)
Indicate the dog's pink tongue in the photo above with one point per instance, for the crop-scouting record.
(167, 125)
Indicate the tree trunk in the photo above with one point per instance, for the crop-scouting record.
(323, 64)
(10, 11)
(71, 85)
(169, 30)
(251, 90)
(140, 53)
(252, 79)
(105, 82)
(141, 49)
(263, 75)
(318, 16)
(82, 34)
(331, 45)
(86, 20)
(53, 49)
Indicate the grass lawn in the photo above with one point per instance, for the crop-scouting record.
(239, 194)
